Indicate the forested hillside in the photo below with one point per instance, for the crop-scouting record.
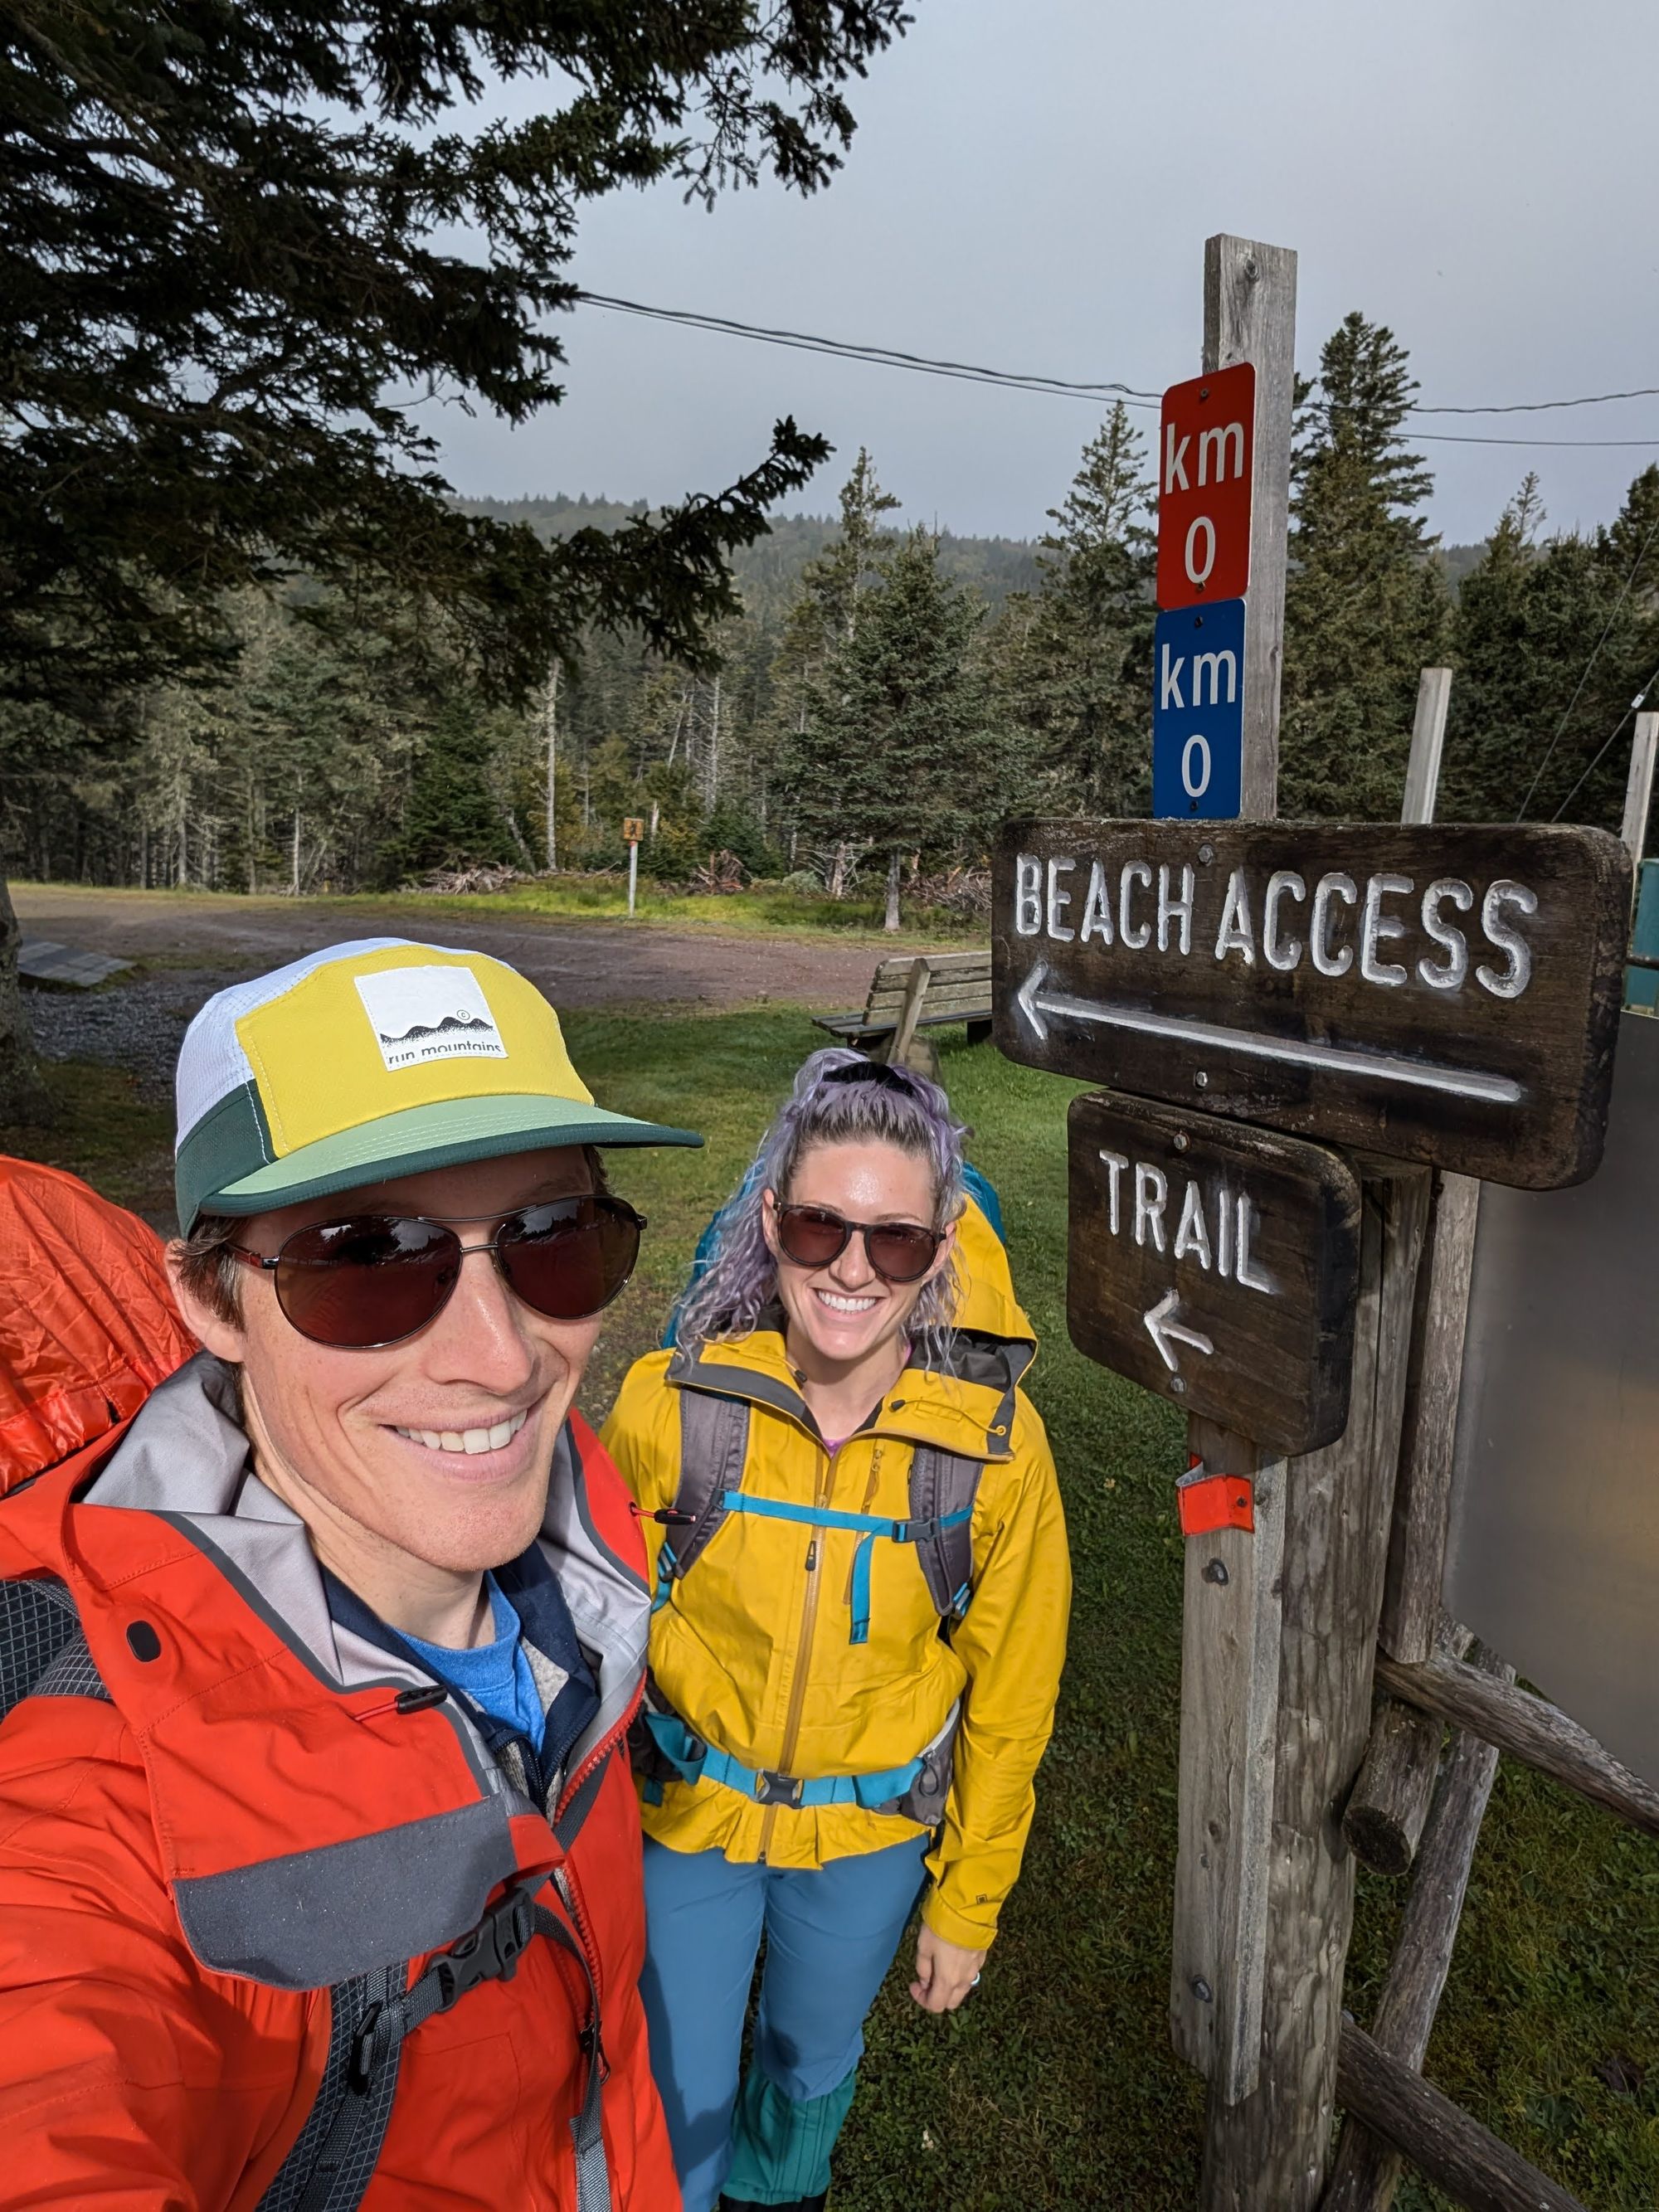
(883, 695)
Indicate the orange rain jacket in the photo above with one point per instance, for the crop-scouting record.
(219, 1808)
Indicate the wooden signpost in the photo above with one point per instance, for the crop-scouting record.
(1442, 994)
(633, 830)
(1444, 1003)
(1215, 1265)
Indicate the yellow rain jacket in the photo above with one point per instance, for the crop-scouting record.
(752, 1649)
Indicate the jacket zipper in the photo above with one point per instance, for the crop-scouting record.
(566, 1885)
(808, 1617)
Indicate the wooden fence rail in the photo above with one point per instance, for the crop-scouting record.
(1527, 1727)
(1440, 2139)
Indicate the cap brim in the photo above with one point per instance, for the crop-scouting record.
(438, 1136)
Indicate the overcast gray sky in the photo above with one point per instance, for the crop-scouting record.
(1030, 187)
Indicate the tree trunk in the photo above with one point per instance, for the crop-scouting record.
(23, 1095)
(890, 920)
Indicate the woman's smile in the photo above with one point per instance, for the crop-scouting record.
(843, 1301)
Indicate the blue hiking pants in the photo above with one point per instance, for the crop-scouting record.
(831, 1933)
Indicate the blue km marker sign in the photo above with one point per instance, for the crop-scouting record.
(1198, 712)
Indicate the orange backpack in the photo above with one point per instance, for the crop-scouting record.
(88, 1324)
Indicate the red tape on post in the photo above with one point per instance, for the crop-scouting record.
(1208, 1502)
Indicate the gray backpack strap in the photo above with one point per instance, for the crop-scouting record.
(713, 1445)
(943, 1485)
(337, 2184)
(333, 2160)
(43, 1652)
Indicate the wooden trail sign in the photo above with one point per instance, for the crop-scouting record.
(1429, 993)
(1218, 1266)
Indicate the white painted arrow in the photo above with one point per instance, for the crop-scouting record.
(1163, 1328)
(1026, 1000)
(1034, 1002)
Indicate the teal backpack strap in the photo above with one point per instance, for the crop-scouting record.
(713, 1445)
(943, 1488)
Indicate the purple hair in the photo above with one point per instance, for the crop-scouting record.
(892, 1107)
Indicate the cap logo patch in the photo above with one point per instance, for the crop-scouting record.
(420, 1014)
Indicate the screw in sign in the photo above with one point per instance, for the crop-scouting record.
(1206, 450)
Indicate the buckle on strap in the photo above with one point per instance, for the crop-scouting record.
(489, 1953)
(772, 1788)
(360, 2066)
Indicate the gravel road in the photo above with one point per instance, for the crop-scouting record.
(190, 946)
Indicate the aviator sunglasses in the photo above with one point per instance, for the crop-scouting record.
(374, 1278)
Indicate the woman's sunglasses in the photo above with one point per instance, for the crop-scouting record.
(374, 1278)
(899, 1251)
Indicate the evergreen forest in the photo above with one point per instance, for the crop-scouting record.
(876, 698)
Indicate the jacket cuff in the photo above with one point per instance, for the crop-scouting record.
(977, 1934)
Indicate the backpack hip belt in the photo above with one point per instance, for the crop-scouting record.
(916, 1791)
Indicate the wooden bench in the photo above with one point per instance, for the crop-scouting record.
(912, 993)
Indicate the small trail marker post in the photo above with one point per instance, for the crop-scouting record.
(1435, 998)
(633, 830)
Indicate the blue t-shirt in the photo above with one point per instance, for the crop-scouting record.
(496, 1675)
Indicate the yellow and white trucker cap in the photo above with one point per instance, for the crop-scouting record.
(371, 1060)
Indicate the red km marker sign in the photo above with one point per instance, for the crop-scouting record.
(1207, 444)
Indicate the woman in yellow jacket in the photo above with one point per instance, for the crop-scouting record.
(861, 1586)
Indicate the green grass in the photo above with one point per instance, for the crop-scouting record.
(1055, 2086)
(105, 1131)
(764, 910)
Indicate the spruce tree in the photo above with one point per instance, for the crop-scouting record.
(1553, 644)
(452, 819)
(1072, 661)
(1366, 606)
(900, 753)
(823, 615)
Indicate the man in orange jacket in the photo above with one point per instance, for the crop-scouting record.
(319, 1861)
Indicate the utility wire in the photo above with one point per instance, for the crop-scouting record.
(1061, 387)
(1595, 649)
(882, 356)
(1632, 709)
(1451, 438)
(1543, 406)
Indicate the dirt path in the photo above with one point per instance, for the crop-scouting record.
(577, 963)
(191, 946)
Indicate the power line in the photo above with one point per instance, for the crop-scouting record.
(1066, 388)
(1543, 406)
(1606, 628)
(1452, 438)
(1634, 705)
(878, 355)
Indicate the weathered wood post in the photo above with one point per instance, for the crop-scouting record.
(1280, 1618)
(1264, 1881)
(1638, 791)
(1230, 1612)
(1271, 2148)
